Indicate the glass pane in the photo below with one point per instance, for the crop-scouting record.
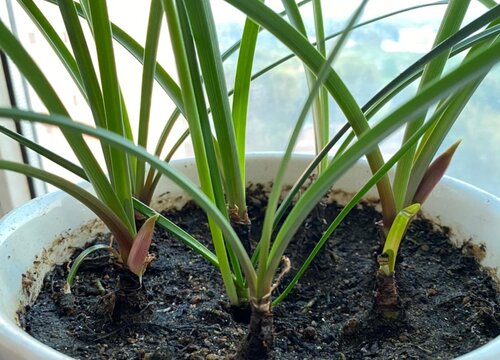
(373, 55)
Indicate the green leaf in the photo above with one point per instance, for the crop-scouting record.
(320, 122)
(149, 187)
(287, 201)
(54, 41)
(207, 46)
(148, 70)
(70, 279)
(154, 177)
(265, 279)
(414, 71)
(458, 42)
(446, 115)
(179, 34)
(66, 164)
(136, 50)
(488, 3)
(349, 206)
(112, 101)
(334, 35)
(241, 92)
(448, 112)
(210, 147)
(86, 69)
(323, 125)
(389, 91)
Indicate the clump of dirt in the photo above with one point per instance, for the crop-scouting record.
(451, 305)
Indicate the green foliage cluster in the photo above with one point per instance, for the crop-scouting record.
(220, 117)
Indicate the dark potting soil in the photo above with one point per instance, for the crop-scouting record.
(451, 305)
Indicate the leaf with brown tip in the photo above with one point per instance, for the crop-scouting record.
(434, 173)
(138, 257)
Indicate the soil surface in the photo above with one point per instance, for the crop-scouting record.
(451, 305)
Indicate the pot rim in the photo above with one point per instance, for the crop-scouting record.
(15, 340)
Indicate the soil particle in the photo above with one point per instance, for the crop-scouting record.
(450, 305)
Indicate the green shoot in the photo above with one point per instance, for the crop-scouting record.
(387, 260)
(70, 279)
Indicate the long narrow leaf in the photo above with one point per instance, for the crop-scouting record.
(334, 35)
(451, 22)
(54, 41)
(135, 49)
(70, 279)
(323, 125)
(193, 118)
(241, 91)
(148, 70)
(92, 90)
(149, 188)
(320, 123)
(452, 109)
(84, 61)
(112, 101)
(370, 110)
(449, 43)
(434, 137)
(414, 71)
(61, 161)
(207, 45)
(152, 182)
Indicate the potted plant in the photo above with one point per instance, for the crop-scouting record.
(250, 274)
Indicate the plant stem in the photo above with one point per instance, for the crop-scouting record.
(387, 301)
(260, 336)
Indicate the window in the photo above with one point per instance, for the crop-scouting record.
(375, 54)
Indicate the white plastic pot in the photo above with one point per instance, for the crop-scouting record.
(40, 234)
